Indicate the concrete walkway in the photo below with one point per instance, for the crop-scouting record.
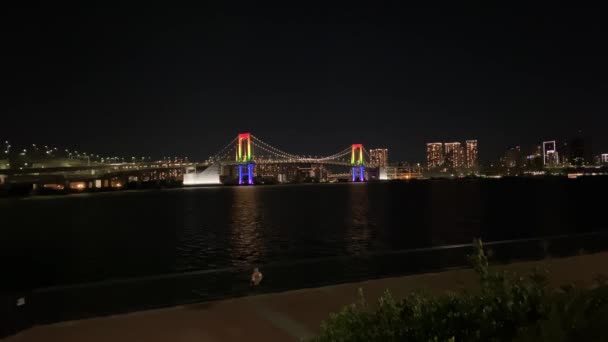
(288, 316)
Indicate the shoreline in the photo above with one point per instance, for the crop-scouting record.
(21, 193)
(288, 315)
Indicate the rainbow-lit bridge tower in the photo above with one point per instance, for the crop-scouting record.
(356, 162)
(244, 158)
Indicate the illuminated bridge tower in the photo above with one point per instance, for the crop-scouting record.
(244, 158)
(356, 162)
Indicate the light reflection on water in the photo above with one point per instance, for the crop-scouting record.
(358, 234)
(82, 238)
(246, 238)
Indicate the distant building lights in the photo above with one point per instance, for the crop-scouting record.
(550, 155)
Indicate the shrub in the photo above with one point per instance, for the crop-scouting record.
(507, 307)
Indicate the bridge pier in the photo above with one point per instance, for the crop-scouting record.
(357, 163)
(358, 173)
(244, 157)
(248, 169)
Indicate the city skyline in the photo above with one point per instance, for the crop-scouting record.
(452, 155)
(167, 81)
(575, 151)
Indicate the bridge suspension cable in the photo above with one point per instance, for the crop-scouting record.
(272, 149)
(226, 148)
(269, 148)
(342, 153)
(276, 150)
(274, 153)
(369, 158)
(258, 144)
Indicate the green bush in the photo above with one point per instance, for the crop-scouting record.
(507, 307)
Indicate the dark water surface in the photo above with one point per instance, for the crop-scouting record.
(87, 237)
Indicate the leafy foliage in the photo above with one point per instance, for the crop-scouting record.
(506, 308)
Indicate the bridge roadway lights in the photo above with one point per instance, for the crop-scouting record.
(247, 168)
(360, 172)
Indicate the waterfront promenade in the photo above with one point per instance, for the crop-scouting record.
(287, 316)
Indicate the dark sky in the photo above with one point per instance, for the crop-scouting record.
(310, 80)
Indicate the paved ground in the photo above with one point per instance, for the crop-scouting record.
(288, 316)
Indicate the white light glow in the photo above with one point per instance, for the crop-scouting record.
(209, 176)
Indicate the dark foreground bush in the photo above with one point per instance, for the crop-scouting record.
(506, 308)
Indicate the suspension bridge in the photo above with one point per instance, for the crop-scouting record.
(246, 152)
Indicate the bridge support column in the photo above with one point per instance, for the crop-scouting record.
(246, 169)
(250, 171)
(357, 163)
(244, 156)
(358, 173)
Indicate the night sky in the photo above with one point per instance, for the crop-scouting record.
(156, 81)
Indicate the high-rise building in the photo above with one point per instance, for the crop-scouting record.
(379, 157)
(459, 156)
(454, 155)
(434, 155)
(563, 151)
(550, 155)
(580, 150)
(471, 153)
(604, 158)
(534, 160)
(513, 157)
